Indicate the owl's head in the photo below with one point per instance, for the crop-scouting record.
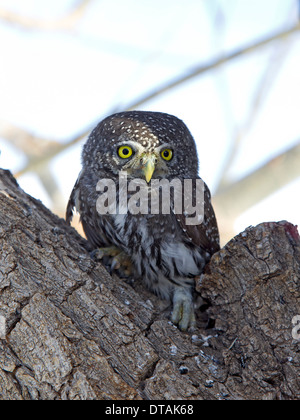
(144, 144)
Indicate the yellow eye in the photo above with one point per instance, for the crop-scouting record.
(167, 154)
(125, 152)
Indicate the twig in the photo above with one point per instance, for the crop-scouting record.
(53, 189)
(34, 163)
(34, 147)
(197, 71)
(262, 90)
(203, 68)
(250, 190)
(65, 23)
(30, 144)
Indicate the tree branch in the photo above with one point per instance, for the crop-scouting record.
(34, 147)
(264, 86)
(31, 145)
(197, 71)
(212, 65)
(234, 199)
(67, 22)
(262, 182)
(70, 331)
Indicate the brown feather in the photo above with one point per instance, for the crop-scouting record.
(206, 234)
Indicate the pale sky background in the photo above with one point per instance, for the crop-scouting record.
(57, 83)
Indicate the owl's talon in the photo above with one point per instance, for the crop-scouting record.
(97, 254)
(183, 313)
(115, 259)
(115, 265)
(100, 253)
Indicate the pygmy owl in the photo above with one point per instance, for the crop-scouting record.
(164, 249)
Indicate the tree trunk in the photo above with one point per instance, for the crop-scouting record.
(68, 330)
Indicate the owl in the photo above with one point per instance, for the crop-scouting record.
(156, 245)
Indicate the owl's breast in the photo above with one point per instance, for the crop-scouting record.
(159, 251)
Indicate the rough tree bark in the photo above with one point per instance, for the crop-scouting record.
(68, 330)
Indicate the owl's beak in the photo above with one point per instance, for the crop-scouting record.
(149, 167)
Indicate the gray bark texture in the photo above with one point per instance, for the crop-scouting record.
(69, 330)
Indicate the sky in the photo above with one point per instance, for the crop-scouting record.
(56, 83)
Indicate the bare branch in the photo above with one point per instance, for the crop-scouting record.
(264, 86)
(232, 201)
(201, 69)
(34, 147)
(30, 144)
(53, 151)
(67, 22)
(53, 190)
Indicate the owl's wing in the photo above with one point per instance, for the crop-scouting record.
(206, 234)
(72, 202)
(88, 215)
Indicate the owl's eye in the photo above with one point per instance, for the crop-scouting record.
(125, 152)
(167, 154)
